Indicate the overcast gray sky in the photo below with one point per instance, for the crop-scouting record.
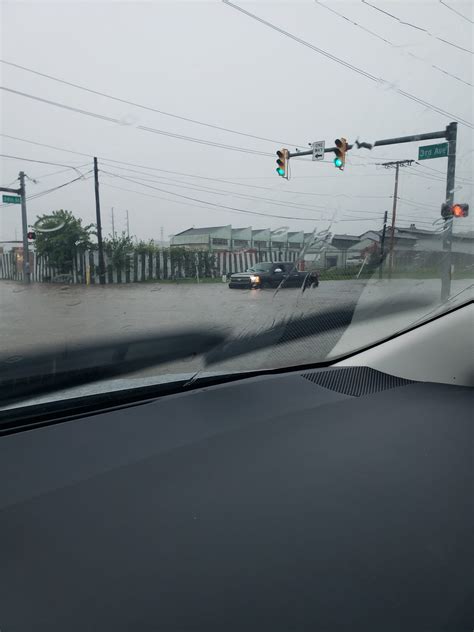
(211, 63)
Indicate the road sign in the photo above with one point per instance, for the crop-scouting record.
(11, 199)
(440, 150)
(318, 150)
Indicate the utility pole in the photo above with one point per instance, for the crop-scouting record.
(388, 165)
(128, 224)
(382, 243)
(394, 219)
(451, 137)
(162, 237)
(24, 229)
(99, 224)
(113, 223)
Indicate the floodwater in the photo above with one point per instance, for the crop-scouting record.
(55, 316)
(44, 315)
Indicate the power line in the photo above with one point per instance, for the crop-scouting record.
(144, 128)
(55, 173)
(346, 64)
(458, 178)
(35, 196)
(141, 106)
(418, 28)
(461, 15)
(213, 191)
(43, 162)
(141, 166)
(61, 186)
(232, 209)
(383, 39)
(266, 200)
(255, 186)
(226, 192)
(159, 197)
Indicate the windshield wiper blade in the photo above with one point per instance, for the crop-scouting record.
(49, 370)
(293, 329)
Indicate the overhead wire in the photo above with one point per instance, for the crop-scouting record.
(226, 193)
(180, 183)
(461, 15)
(458, 178)
(231, 209)
(35, 196)
(349, 66)
(383, 39)
(43, 162)
(254, 186)
(152, 168)
(140, 105)
(145, 128)
(159, 197)
(418, 28)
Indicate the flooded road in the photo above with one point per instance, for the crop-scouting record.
(54, 316)
(51, 315)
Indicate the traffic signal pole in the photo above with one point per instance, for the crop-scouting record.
(451, 137)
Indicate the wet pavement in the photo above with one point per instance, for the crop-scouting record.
(48, 316)
(52, 315)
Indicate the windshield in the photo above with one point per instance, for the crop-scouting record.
(261, 267)
(151, 151)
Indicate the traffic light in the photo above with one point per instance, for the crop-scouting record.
(454, 210)
(340, 151)
(460, 210)
(282, 162)
(31, 235)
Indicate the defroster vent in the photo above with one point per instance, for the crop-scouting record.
(355, 381)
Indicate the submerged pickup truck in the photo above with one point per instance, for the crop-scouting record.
(271, 275)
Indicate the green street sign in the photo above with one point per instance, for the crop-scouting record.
(433, 151)
(11, 199)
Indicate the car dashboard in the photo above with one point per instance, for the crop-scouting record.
(323, 499)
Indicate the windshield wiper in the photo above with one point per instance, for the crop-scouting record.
(50, 370)
(293, 329)
(53, 370)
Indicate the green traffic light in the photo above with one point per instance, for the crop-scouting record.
(280, 171)
(337, 162)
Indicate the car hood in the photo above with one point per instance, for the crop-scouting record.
(243, 274)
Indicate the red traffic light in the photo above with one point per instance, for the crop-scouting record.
(460, 210)
(31, 235)
(454, 210)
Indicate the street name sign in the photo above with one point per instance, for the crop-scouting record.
(11, 199)
(440, 150)
(318, 150)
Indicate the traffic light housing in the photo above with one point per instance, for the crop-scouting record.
(340, 151)
(31, 235)
(454, 210)
(282, 162)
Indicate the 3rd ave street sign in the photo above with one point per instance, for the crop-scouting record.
(11, 199)
(439, 150)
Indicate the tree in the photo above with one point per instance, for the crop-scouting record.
(59, 236)
(118, 248)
